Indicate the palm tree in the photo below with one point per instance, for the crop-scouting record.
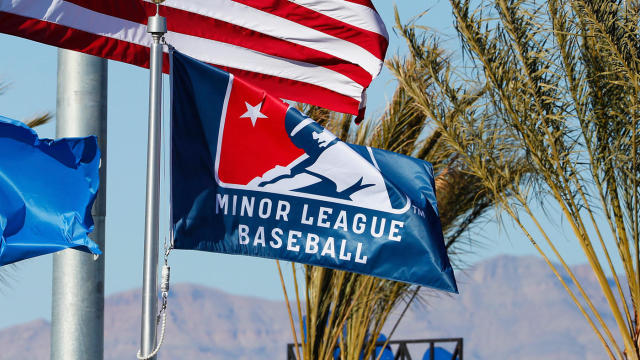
(348, 310)
(554, 86)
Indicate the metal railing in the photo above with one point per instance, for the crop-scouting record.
(402, 349)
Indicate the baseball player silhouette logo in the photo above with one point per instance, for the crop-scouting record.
(268, 146)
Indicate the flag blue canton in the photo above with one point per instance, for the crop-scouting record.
(253, 176)
(47, 189)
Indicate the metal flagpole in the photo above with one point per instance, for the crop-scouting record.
(157, 27)
(77, 311)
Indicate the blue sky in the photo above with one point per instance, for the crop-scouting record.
(29, 69)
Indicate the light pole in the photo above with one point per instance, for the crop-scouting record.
(77, 309)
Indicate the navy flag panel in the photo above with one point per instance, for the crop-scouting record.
(253, 176)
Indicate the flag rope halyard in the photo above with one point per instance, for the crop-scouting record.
(162, 313)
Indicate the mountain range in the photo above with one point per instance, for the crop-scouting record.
(508, 308)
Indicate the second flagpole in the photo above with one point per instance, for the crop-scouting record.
(157, 27)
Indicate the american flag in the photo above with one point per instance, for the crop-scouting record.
(320, 52)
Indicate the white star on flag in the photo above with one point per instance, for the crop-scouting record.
(253, 112)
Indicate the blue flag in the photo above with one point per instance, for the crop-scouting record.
(253, 176)
(47, 189)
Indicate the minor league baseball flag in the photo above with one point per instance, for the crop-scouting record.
(253, 176)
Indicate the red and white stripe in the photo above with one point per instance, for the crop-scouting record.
(321, 52)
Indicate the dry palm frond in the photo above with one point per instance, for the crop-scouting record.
(546, 109)
(34, 122)
(39, 120)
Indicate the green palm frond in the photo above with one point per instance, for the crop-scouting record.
(544, 111)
